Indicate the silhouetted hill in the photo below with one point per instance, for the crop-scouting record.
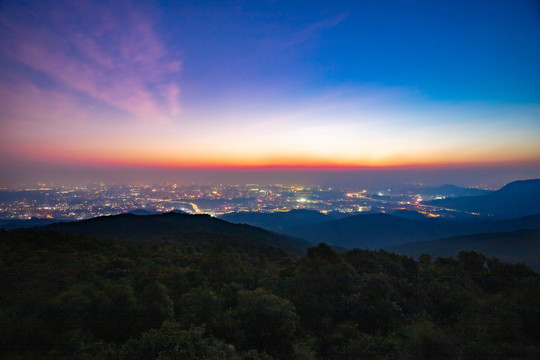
(409, 214)
(374, 231)
(177, 227)
(522, 246)
(142, 212)
(521, 187)
(10, 224)
(453, 191)
(153, 212)
(276, 221)
(369, 231)
(519, 198)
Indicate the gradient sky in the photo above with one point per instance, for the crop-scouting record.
(269, 84)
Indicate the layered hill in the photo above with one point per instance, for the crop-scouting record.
(516, 199)
(11, 224)
(453, 191)
(177, 227)
(277, 221)
(375, 231)
(517, 246)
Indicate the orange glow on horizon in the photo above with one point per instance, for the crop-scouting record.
(308, 165)
(164, 159)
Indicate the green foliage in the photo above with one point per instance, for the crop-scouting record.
(157, 306)
(200, 306)
(222, 265)
(320, 281)
(425, 340)
(69, 296)
(269, 322)
(171, 342)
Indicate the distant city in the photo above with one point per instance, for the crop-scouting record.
(98, 199)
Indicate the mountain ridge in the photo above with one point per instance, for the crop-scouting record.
(516, 246)
(375, 231)
(515, 199)
(276, 221)
(176, 227)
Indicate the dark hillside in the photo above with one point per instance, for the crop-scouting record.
(277, 221)
(516, 199)
(452, 191)
(522, 246)
(176, 227)
(375, 231)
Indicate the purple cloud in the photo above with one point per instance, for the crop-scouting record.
(110, 53)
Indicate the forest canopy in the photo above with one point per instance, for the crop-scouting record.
(70, 296)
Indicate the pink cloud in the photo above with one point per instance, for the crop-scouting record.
(171, 93)
(117, 58)
(31, 115)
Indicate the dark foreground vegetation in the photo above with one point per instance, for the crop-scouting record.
(66, 296)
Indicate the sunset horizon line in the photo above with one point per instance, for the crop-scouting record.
(284, 166)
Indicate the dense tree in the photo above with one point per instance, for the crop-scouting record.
(69, 296)
(172, 342)
(269, 322)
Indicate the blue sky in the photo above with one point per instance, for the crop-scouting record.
(459, 50)
(270, 84)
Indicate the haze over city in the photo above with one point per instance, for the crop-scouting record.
(242, 92)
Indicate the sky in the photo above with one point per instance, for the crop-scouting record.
(271, 86)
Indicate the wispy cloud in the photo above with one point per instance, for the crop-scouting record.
(313, 29)
(110, 52)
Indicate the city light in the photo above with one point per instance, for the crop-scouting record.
(82, 202)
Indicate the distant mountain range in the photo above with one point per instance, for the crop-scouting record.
(11, 224)
(374, 231)
(177, 227)
(518, 246)
(452, 191)
(371, 231)
(409, 214)
(516, 199)
(153, 212)
(277, 221)
(301, 228)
